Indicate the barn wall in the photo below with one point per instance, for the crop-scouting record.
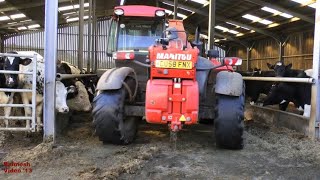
(67, 44)
(297, 50)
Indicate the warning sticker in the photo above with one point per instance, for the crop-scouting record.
(182, 118)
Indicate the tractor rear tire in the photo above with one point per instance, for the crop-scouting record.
(109, 120)
(229, 126)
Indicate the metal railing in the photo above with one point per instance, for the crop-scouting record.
(285, 79)
(280, 79)
(33, 91)
(60, 77)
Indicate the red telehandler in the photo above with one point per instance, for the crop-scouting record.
(159, 75)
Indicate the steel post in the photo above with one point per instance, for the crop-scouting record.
(175, 9)
(89, 37)
(94, 37)
(2, 44)
(50, 53)
(34, 92)
(81, 24)
(212, 23)
(248, 58)
(281, 51)
(315, 91)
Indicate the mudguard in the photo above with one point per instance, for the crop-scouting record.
(112, 79)
(229, 83)
(204, 64)
(203, 67)
(202, 78)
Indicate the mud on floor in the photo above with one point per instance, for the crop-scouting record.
(271, 153)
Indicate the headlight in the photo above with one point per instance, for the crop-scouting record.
(160, 13)
(118, 12)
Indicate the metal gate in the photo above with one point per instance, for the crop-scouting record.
(32, 105)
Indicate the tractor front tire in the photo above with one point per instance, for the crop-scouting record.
(109, 120)
(229, 126)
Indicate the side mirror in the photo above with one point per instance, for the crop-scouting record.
(232, 61)
(109, 54)
(213, 53)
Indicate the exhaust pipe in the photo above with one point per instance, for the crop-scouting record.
(197, 41)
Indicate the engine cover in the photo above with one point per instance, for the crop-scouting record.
(169, 102)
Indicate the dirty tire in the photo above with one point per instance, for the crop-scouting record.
(228, 123)
(108, 118)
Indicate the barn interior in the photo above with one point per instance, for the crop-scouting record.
(279, 143)
(250, 29)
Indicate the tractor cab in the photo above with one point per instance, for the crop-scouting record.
(134, 28)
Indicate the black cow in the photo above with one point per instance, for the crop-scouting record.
(282, 70)
(255, 88)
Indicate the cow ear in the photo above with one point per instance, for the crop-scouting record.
(289, 66)
(25, 61)
(270, 66)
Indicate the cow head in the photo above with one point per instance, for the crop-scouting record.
(81, 102)
(279, 68)
(12, 64)
(61, 98)
(256, 72)
(72, 91)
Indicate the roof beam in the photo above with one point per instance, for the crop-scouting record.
(188, 7)
(284, 10)
(261, 31)
(18, 24)
(221, 18)
(27, 5)
(244, 43)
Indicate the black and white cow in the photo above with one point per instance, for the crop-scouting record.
(283, 93)
(299, 93)
(5, 97)
(25, 81)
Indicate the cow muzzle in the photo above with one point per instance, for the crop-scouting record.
(10, 82)
(63, 109)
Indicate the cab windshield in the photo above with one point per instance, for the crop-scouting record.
(138, 33)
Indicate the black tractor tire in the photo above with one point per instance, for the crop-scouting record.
(109, 121)
(228, 124)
